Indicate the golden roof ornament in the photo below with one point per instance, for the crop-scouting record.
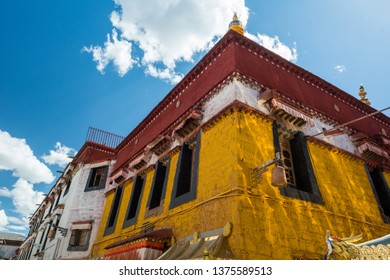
(362, 94)
(236, 25)
(342, 246)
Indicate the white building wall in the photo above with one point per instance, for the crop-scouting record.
(245, 93)
(80, 205)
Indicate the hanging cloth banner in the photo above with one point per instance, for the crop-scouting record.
(293, 112)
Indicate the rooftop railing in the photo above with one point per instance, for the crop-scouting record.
(103, 137)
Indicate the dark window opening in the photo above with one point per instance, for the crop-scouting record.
(304, 175)
(55, 228)
(295, 158)
(185, 170)
(46, 235)
(97, 178)
(58, 198)
(41, 239)
(79, 240)
(382, 192)
(31, 249)
(134, 202)
(51, 206)
(114, 211)
(159, 183)
(186, 178)
(67, 187)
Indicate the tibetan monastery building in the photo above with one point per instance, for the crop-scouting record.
(248, 157)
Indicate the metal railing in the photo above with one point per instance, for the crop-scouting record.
(103, 137)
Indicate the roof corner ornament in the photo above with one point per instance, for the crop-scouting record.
(363, 94)
(342, 246)
(236, 25)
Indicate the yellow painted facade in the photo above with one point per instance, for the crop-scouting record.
(266, 224)
(215, 187)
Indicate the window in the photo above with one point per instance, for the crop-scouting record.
(46, 233)
(97, 178)
(158, 186)
(186, 178)
(132, 209)
(295, 158)
(31, 249)
(110, 227)
(43, 231)
(79, 240)
(67, 186)
(51, 206)
(382, 192)
(54, 228)
(58, 198)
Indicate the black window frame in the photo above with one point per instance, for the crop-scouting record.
(189, 195)
(46, 235)
(307, 188)
(135, 201)
(114, 211)
(67, 188)
(79, 247)
(159, 184)
(92, 173)
(381, 191)
(58, 199)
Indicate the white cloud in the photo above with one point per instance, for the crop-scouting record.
(118, 51)
(17, 224)
(17, 221)
(166, 32)
(274, 44)
(3, 220)
(16, 156)
(165, 74)
(5, 192)
(16, 228)
(10, 223)
(59, 156)
(340, 68)
(24, 197)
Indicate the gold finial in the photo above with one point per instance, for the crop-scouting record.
(362, 94)
(236, 25)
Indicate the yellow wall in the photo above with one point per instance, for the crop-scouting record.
(212, 208)
(266, 224)
(277, 227)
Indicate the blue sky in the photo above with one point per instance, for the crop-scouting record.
(51, 90)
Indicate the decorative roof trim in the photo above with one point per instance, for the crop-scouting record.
(180, 88)
(291, 111)
(367, 146)
(307, 77)
(214, 54)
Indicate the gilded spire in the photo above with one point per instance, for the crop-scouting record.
(362, 94)
(236, 25)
